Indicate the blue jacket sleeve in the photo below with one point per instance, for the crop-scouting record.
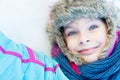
(19, 62)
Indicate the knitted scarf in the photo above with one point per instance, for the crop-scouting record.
(104, 69)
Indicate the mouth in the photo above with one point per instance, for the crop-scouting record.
(88, 51)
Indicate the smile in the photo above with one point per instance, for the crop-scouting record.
(88, 51)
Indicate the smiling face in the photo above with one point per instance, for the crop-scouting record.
(86, 38)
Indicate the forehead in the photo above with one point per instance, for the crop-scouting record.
(83, 21)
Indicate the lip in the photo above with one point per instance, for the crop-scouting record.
(88, 51)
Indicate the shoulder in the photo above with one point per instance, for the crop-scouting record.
(42, 60)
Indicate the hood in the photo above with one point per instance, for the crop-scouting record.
(65, 11)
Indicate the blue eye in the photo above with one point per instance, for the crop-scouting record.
(72, 33)
(93, 27)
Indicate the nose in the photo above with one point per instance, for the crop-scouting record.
(83, 39)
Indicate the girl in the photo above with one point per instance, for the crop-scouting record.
(85, 39)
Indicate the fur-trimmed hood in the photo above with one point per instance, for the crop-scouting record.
(66, 11)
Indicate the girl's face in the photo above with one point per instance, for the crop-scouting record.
(86, 37)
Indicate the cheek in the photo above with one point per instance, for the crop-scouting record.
(101, 37)
(71, 44)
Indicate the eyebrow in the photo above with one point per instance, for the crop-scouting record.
(65, 27)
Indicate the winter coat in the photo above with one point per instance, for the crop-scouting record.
(19, 62)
